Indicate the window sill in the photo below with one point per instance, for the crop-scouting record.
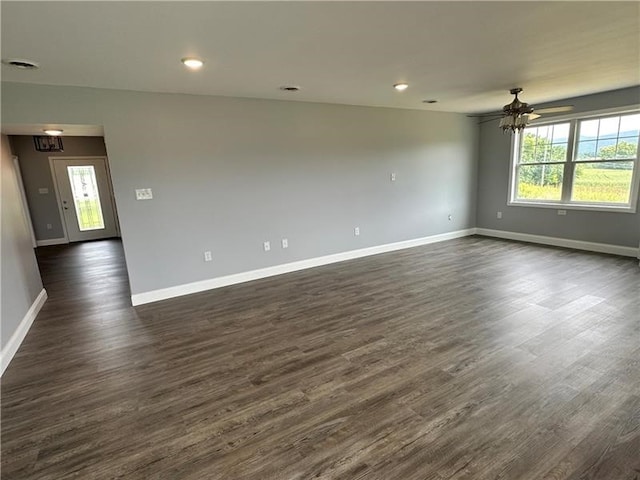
(573, 206)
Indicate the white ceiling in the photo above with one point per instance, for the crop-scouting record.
(465, 54)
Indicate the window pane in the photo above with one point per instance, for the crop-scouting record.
(543, 152)
(528, 151)
(587, 150)
(605, 182)
(589, 129)
(627, 148)
(539, 182)
(544, 132)
(561, 133)
(609, 128)
(606, 149)
(544, 144)
(630, 126)
(558, 152)
(84, 188)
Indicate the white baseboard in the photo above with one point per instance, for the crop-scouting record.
(23, 328)
(210, 284)
(561, 242)
(52, 241)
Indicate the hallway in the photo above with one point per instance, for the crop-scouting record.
(88, 289)
(84, 275)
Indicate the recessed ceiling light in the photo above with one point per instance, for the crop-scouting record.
(54, 132)
(401, 86)
(192, 63)
(289, 88)
(21, 63)
(429, 101)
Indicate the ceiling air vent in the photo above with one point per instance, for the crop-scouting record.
(289, 88)
(21, 63)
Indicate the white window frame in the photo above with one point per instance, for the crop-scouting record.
(566, 203)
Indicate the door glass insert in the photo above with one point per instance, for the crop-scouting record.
(86, 199)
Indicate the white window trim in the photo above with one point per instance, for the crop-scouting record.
(598, 207)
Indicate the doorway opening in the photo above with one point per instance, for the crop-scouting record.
(72, 209)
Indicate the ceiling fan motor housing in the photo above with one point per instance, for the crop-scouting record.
(517, 107)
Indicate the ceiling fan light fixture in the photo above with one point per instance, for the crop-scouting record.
(515, 114)
(514, 123)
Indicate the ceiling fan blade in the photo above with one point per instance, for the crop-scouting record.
(533, 116)
(487, 120)
(485, 115)
(558, 109)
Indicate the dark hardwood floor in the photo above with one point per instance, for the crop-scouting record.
(469, 359)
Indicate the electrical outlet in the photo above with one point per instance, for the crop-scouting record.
(267, 246)
(285, 243)
(499, 215)
(43, 191)
(562, 212)
(144, 194)
(207, 256)
(49, 226)
(356, 231)
(393, 177)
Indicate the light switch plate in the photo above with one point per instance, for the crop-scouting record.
(144, 194)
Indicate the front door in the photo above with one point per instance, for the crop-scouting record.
(84, 191)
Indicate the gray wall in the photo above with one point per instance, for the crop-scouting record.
(20, 279)
(230, 173)
(36, 174)
(493, 186)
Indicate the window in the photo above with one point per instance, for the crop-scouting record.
(586, 162)
(86, 199)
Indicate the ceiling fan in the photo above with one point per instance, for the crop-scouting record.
(516, 115)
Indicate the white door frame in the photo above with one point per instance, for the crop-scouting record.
(25, 205)
(52, 159)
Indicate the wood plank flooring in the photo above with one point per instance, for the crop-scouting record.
(469, 359)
